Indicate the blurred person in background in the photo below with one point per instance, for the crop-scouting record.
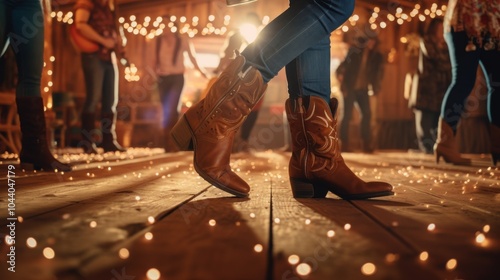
(360, 75)
(472, 32)
(429, 84)
(16, 17)
(96, 20)
(169, 64)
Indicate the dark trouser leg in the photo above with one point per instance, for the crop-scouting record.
(464, 66)
(366, 116)
(349, 99)
(170, 88)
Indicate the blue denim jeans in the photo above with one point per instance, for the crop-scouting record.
(299, 39)
(464, 66)
(101, 84)
(22, 24)
(170, 88)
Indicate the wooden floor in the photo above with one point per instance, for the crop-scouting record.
(145, 214)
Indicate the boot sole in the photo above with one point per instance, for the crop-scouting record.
(306, 189)
(183, 136)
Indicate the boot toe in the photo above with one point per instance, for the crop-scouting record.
(227, 181)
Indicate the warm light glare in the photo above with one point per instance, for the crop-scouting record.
(31, 242)
(423, 256)
(49, 253)
(151, 219)
(293, 259)
(258, 248)
(431, 227)
(480, 238)
(368, 269)
(303, 269)
(153, 274)
(347, 226)
(148, 235)
(330, 233)
(486, 228)
(123, 253)
(212, 222)
(451, 264)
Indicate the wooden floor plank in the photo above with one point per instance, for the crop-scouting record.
(303, 231)
(118, 211)
(186, 246)
(253, 238)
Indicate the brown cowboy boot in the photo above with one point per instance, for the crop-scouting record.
(316, 165)
(209, 126)
(35, 151)
(446, 145)
(495, 143)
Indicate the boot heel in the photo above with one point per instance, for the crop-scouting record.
(181, 133)
(305, 189)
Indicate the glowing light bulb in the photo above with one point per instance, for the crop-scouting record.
(31, 242)
(293, 259)
(368, 269)
(258, 248)
(153, 274)
(303, 269)
(451, 264)
(123, 253)
(49, 253)
(423, 256)
(431, 227)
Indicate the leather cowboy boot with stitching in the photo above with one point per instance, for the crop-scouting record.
(209, 126)
(316, 165)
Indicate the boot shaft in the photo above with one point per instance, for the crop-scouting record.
(229, 101)
(313, 130)
(313, 125)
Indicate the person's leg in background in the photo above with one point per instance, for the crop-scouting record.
(316, 165)
(419, 129)
(109, 101)
(93, 74)
(464, 66)
(170, 88)
(349, 99)
(242, 144)
(489, 61)
(27, 43)
(426, 123)
(363, 101)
